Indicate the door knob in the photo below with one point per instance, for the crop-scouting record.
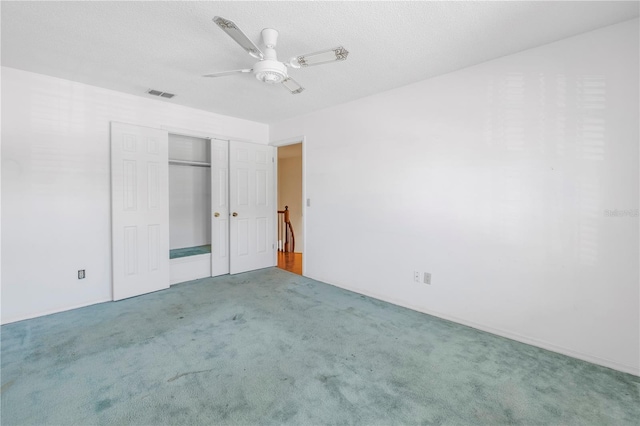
(216, 214)
(234, 214)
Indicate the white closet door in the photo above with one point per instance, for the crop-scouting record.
(252, 211)
(219, 207)
(139, 209)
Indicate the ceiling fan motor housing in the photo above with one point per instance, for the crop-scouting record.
(269, 70)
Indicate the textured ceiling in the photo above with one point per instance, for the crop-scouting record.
(134, 46)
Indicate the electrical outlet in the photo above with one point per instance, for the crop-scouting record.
(81, 274)
(416, 276)
(427, 278)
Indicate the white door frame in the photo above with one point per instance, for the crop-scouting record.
(203, 134)
(285, 142)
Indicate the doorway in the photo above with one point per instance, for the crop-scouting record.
(290, 208)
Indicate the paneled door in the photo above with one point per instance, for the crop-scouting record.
(219, 207)
(251, 239)
(139, 210)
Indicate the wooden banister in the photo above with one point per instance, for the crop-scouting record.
(286, 236)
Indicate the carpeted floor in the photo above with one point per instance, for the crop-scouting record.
(270, 347)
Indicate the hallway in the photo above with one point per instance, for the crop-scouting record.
(291, 262)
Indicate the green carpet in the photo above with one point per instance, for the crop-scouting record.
(270, 347)
(189, 251)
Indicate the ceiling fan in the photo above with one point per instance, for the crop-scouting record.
(268, 69)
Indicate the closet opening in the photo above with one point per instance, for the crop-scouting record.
(189, 207)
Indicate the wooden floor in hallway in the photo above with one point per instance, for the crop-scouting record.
(291, 262)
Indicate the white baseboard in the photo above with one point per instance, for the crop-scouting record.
(181, 269)
(52, 311)
(499, 332)
(189, 268)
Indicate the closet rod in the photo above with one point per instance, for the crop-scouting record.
(190, 163)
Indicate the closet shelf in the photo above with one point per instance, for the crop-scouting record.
(190, 163)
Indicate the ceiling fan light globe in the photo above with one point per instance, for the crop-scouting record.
(270, 78)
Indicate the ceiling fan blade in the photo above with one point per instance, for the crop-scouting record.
(292, 85)
(236, 33)
(223, 73)
(330, 55)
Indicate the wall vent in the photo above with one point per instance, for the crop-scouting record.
(161, 94)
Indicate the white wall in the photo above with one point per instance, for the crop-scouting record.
(495, 179)
(189, 193)
(290, 194)
(55, 185)
(189, 206)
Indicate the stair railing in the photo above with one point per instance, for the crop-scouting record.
(286, 236)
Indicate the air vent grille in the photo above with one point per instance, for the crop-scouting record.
(161, 94)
